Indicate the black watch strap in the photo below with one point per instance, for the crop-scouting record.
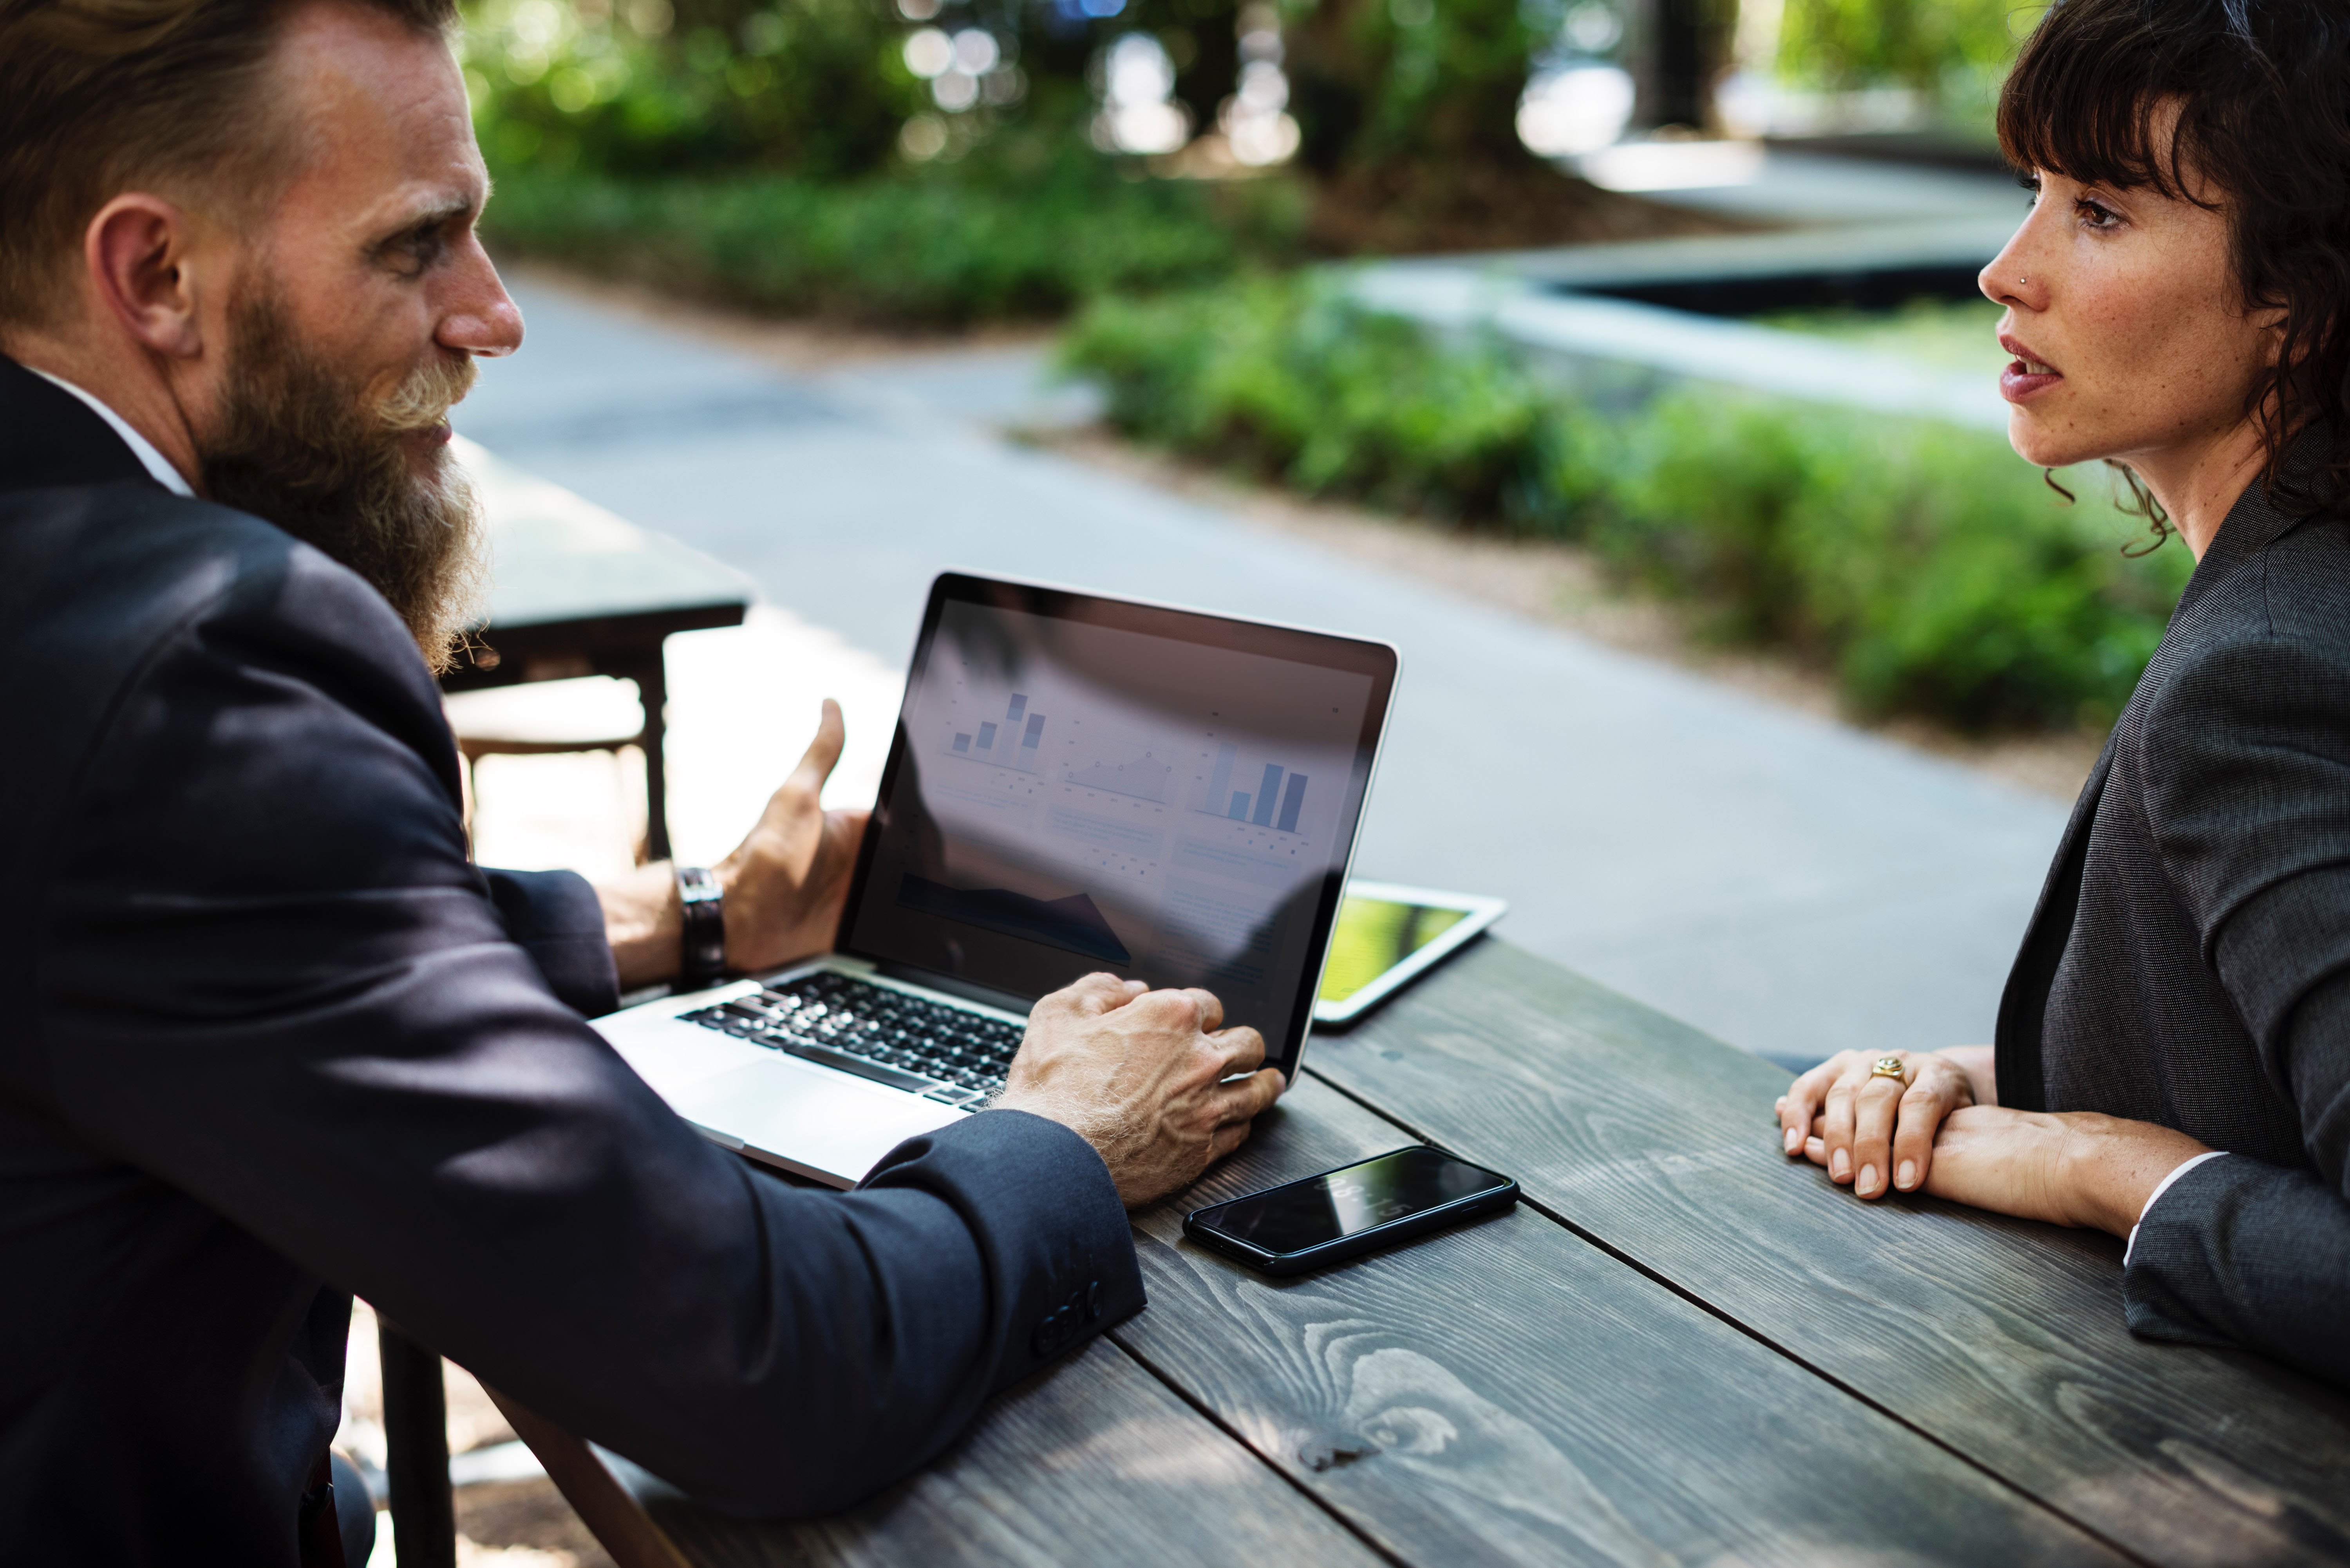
(704, 959)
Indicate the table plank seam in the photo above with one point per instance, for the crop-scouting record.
(1628, 1261)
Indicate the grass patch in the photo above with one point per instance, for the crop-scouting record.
(1926, 564)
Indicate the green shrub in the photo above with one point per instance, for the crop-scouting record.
(1299, 385)
(930, 248)
(1936, 570)
(1932, 569)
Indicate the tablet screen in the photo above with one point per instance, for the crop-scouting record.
(1374, 935)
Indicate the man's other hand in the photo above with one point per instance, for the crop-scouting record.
(787, 882)
(1140, 1074)
(784, 885)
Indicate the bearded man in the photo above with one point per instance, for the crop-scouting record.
(270, 1039)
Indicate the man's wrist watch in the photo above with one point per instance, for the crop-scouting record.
(704, 904)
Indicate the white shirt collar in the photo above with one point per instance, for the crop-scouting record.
(143, 449)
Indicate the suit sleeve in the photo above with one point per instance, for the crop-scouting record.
(270, 977)
(556, 919)
(2253, 819)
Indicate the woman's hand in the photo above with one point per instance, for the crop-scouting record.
(2070, 1167)
(1866, 1126)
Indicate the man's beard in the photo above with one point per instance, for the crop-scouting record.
(303, 448)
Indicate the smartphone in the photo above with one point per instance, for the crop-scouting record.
(1351, 1211)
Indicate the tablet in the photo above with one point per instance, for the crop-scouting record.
(1387, 936)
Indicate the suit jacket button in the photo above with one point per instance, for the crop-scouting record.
(1054, 1332)
(1093, 1301)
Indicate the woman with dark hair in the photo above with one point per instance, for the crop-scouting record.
(2173, 1050)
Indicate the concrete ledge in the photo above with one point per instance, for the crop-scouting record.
(1597, 339)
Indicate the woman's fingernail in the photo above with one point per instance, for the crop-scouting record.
(1795, 1140)
(1838, 1163)
(1867, 1182)
(1906, 1176)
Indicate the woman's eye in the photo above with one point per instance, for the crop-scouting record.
(2093, 216)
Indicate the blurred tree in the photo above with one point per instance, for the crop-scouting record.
(1680, 48)
(1379, 85)
(1919, 44)
(638, 86)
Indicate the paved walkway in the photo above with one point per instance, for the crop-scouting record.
(1789, 885)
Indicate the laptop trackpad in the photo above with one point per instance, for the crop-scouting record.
(828, 1125)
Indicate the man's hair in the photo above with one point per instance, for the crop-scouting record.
(2263, 93)
(99, 96)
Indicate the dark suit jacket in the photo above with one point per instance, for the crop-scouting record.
(2190, 960)
(270, 1040)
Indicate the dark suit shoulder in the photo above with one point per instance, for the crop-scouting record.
(2304, 582)
(94, 580)
(2232, 754)
(151, 627)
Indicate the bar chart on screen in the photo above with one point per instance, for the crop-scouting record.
(1270, 796)
(1016, 741)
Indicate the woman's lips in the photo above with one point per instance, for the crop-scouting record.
(2025, 376)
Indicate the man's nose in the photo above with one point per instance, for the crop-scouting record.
(482, 318)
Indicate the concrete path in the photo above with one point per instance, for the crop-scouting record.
(1791, 886)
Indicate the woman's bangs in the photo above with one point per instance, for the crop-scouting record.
(2084, 106)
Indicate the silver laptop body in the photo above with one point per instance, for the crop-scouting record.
(1077, 782)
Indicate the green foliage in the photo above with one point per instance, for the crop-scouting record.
(1935, 571)
(1938, 572)
(815, 86)
(1375, 83)
(1299, 385)
(1933, 45)
(1001, 237)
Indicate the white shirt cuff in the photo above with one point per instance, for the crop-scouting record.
(2181, 1169)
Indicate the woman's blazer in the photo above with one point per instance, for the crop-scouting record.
(2189, 963)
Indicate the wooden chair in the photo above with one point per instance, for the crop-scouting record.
(424, 1505)
(587, 713)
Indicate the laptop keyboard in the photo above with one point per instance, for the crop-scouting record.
(926, 1048)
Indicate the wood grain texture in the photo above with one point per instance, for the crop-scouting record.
(1506, 1393)
(2001, 1338)
(1094, 1461)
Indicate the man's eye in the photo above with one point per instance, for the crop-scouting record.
(421, 249)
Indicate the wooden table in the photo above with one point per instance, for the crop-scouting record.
(1681, 1348)
(575, 591)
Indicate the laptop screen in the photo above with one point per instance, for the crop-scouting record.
(1082, 784)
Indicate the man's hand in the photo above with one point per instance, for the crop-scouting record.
(1140, 1074)
(784, 885)
(787, 882)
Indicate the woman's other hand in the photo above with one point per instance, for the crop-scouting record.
(2071, 1167)
(1875, 1131)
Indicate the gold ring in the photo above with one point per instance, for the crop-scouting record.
(1890, 1067)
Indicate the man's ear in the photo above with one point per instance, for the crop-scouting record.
(137, 253)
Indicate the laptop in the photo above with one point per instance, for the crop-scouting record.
(1077, 783)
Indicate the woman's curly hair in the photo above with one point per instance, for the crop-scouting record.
(2264, 94)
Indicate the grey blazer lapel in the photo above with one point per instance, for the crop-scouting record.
(2024, 1005)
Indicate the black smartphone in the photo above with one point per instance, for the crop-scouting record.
(1351, 1211)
